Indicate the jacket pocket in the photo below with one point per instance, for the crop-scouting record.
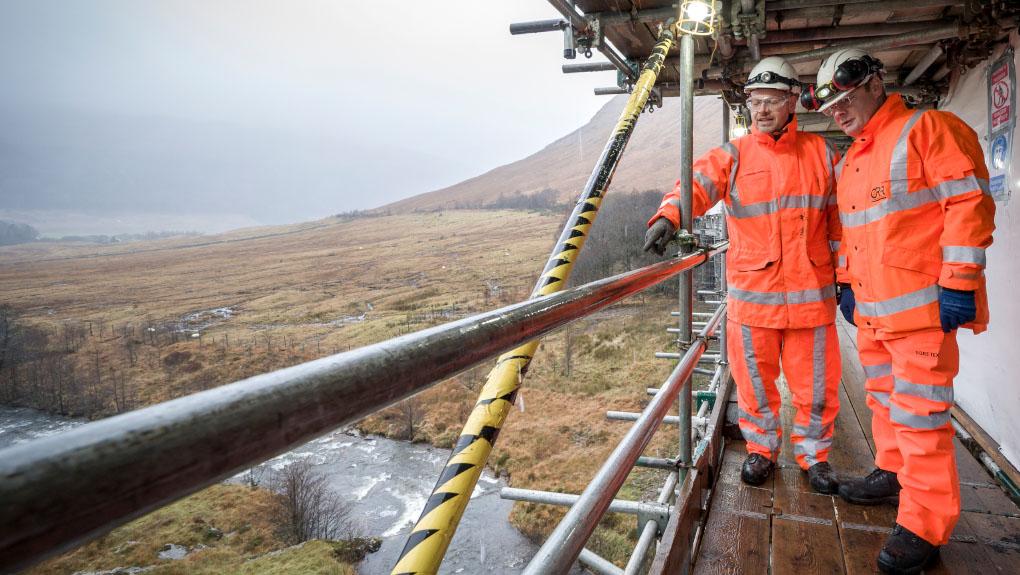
(820, 255)
(904, 178)
(753, 187)
(912, 260)
(745, 260)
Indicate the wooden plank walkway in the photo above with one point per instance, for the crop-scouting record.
(783, 527)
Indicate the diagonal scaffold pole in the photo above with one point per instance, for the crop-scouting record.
(427, 543)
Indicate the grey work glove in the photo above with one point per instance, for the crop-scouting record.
(659, 234)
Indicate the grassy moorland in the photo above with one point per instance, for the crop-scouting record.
(101, 329)
(226, 527)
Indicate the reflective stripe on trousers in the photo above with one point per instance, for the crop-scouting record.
(910, 391)
(810, 361)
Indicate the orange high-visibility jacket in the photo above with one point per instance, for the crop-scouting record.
(916, 214)
(780, 204)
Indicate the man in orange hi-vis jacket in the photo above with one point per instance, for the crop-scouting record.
(777, 187)
(917, 217)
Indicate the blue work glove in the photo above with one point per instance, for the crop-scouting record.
(956, 307)
(847, 303)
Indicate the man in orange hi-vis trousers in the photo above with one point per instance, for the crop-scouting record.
(777, 188)
(917, 217)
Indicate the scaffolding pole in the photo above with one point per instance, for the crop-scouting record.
(427, 543)
(565, 543)
(686, 223)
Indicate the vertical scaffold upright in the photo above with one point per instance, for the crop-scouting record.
(686, 223)
(429, 538)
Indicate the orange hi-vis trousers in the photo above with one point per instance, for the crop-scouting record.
(910, 391)
(810, 361)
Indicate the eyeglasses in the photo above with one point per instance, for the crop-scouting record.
(842, 105)
(759, 103)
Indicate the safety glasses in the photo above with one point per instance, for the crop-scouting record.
(761, 103)
(841, 105)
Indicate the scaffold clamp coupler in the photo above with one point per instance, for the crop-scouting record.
(705, 395)
(688, 241)
(660, 517)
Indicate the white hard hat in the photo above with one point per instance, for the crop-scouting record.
(773, 72)
(841, 72)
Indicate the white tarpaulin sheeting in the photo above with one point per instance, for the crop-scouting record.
(988, 387)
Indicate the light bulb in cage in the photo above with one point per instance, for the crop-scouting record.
(697, 17)
(698, 11)
(740, 127)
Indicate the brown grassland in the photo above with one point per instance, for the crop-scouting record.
(299, 292)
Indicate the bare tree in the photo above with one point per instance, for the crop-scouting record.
(412, 413)
(255, 476)
(129, 347)
(568, 354)
(309, 509)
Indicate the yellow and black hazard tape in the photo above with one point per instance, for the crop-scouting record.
(431, 535)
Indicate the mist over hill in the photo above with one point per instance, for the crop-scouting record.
(73, 172)
(102, 164)
(650, 162)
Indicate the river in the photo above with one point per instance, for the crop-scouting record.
(386, 482)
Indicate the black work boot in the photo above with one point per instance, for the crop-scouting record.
(878, 487)
(756, 469)
(823, 479)
(905, 553)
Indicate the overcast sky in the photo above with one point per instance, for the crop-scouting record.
(435, 91)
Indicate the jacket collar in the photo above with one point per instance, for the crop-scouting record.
(892, 108)
(788, 135)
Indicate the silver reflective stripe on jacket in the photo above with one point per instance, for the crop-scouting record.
(783, 298)
(963, 255)
(910, 200)
(898, 163)
(911, 300)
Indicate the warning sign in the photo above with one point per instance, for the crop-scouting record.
(1000, 92)
(1001, 122)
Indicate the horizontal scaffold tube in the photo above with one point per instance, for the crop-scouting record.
(538, 26)
(431, 535)
(578, 21)
(59, 491)
(562, 547)
(568, 499)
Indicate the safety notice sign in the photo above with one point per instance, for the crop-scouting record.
(1001, 123)
(1000, 92)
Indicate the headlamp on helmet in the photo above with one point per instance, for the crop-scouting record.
(772, 78)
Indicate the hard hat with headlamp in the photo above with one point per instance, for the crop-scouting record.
(839, 74)
(773, 72)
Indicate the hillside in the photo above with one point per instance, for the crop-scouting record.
(96, 330)
(651, 161)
